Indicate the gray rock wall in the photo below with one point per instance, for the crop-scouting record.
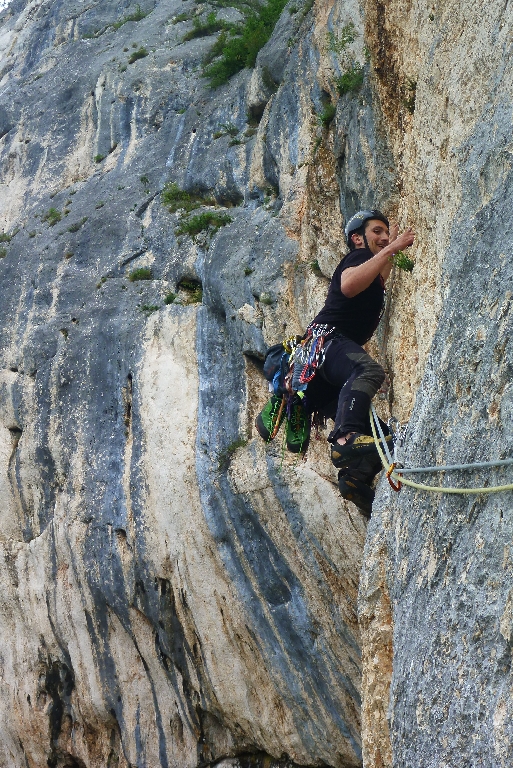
(174, 592)
(181, 595)
(434, 597)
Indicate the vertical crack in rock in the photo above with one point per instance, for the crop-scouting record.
(127, 404)
(58, 684)
(16, 485)
(174, 651)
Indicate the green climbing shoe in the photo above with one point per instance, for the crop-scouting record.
(298, 429)
(269, 419)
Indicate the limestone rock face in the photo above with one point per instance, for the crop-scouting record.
(174, 592)
(435, 593)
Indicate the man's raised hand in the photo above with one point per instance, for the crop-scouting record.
(404, 240)
(394, 231)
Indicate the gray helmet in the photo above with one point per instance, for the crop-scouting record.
(359, 220)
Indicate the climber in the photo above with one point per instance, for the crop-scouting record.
(349, 378)
(339, 378)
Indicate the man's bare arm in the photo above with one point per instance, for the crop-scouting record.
(356, 279)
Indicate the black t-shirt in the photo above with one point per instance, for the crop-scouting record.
(358, 317)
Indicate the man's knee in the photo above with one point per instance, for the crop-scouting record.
(370, 376)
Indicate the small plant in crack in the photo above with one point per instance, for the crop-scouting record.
(137, 15)
(77, 225)
(226, 129)
(409, 101)
(314, 266)
(141, 273)
(327, 115)
(225, 456)
(192, 289)
(204, 28)
(351, 80)
(338, 43)
(176, 199)
(52, 217)
(203, 222)
(141, 53)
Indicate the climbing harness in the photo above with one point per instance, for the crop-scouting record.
(395, 472)
(289, 367)
(307, 356)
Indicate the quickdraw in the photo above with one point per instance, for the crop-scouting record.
(389, 478)
(307, 356)
(277, 422)
(313, 353)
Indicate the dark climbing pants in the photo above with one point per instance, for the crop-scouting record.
(344, 387)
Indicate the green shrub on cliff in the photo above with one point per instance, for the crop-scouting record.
(402, 261)
(76, 226)
(181, 17)
(141, 273)
(351, 80)
(137, 15)
(204, 28)
(178, 199)
(226, 129)
(139, 54)
(338, 43)
(203, 222)
(52, 217)
(192, 291)
(240, 47)
(327, 115)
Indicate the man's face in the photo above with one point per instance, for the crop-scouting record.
(377, 236)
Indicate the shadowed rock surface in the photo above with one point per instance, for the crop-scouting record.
(174, 592)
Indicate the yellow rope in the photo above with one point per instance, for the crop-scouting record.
(433, 488)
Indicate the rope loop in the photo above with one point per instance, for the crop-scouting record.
(389, 465)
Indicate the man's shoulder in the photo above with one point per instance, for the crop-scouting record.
(355, 258)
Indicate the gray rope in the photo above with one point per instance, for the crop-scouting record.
(455, 467)
(442, 468)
